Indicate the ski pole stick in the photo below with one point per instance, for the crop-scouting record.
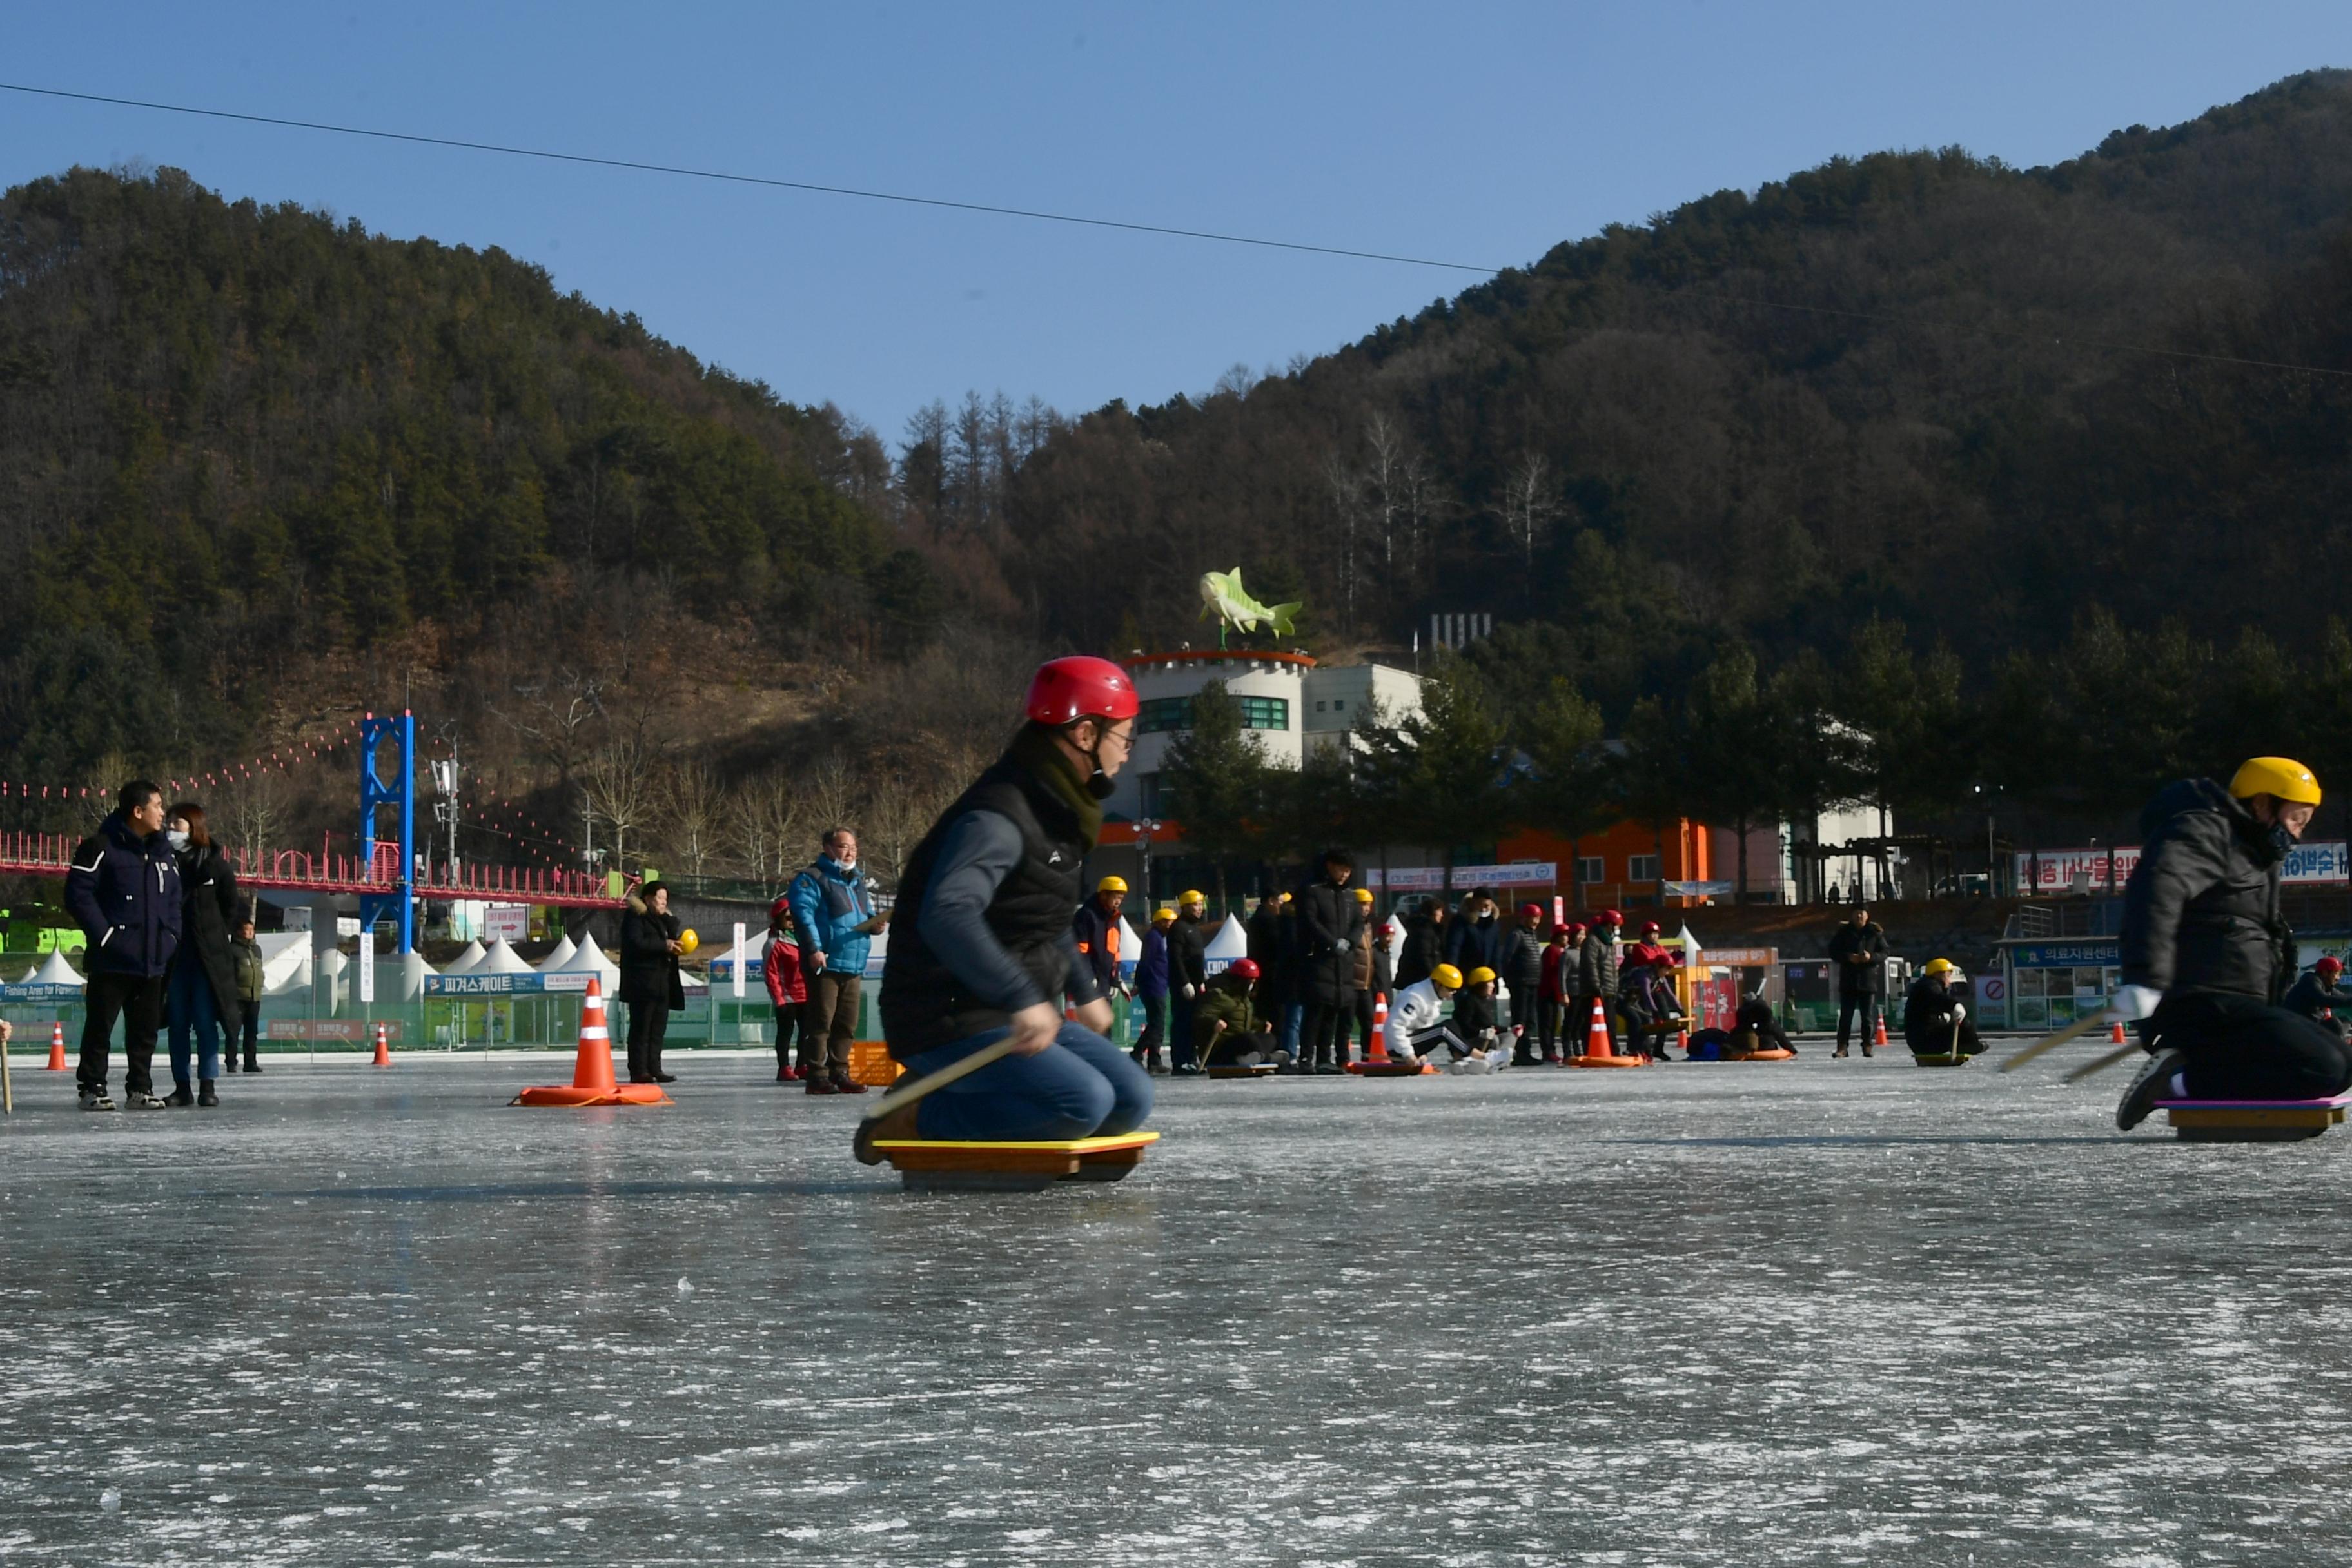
(2102, 1064)
(908, 1093)
(2074, 1031)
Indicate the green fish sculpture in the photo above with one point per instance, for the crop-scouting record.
(1222, 592)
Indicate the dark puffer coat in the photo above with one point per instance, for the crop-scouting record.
(649, 974)
(207, 917)
(2201, 908)
(1331, 927)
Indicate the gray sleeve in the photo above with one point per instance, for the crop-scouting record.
(980, 851)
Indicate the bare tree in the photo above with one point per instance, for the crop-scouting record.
(1528, 502)
(1346, 487)
(694, 805)
(621, 780)
(768, 822)
(253, 815)
(555, 716)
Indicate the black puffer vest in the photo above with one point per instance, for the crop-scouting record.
(923, 1004)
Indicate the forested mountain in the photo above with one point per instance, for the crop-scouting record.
(236, 440)
(2087, 427)
(1906, 385)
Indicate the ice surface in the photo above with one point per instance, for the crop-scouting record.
(1737, 1315)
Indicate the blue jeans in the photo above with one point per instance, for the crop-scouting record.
(1081, 1086)
(188, 1000)
(1294, 1020)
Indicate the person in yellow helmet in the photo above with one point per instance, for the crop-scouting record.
(1151, 989)
(1188, 975)
(1417, 1019)
(1096, 928)
(1936, 1019)
(2207, 953)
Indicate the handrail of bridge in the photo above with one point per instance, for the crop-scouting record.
(50, 854)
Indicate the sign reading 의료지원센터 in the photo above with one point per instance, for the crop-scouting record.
(2055, 870)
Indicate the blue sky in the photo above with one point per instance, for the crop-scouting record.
(1475, 133)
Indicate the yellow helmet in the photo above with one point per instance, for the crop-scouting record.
(1445, 975)
(2281, 776)
(1938, 966)
(687, 941)
(1481, 974)
(1282, 898)
(1163, 913)
(1193, 896)
(1363, 895)
(1111, 885)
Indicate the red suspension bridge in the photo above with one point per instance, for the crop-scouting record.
(301, 870)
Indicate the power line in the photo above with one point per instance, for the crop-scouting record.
(751, 179)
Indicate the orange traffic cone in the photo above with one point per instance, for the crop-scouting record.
(57, 1047)
(382, 1046)
(1878, 1038)
(1599, 1049)
(1379, 1052)
(2115, 1034)
(592, 1071)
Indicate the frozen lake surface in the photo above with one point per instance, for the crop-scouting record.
(1820, 1312)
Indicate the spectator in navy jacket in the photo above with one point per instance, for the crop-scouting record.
(1151, 989)
(124, 890)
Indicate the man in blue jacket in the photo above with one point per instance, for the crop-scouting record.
(124, 890)
(833, 916)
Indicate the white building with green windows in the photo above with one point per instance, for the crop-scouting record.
(1291, 703)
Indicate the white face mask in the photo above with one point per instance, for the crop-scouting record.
(177, 838)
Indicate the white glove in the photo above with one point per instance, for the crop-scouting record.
(1959, 1011)
(2133, 1003)
(1340, 945)
(1189, 991)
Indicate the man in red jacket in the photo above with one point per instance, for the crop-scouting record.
(787, 987)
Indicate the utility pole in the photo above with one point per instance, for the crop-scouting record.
(446, 773)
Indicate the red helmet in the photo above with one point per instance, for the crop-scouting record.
(1649, 928)
(2330, 965)
(1531, 911)
(1246, 967)
(1574, 928)
(1065, 690)
(1609, 918)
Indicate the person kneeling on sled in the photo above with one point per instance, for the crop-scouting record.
(1935, 1021)
(1417, 1023)
(2319, 998)
(1225, 1025)
(2207, 954)
(1755, 1028)
(980, 944)
(1653, 1012)
(1482, 1047)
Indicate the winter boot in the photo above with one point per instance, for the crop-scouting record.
(206, 1095)
(252, 1062)
(845, 1084)
(2154, 1082)
(181, 1097)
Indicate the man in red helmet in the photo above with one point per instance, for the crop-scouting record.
(1560, 960)
(1650, 952)
(1225, 1026)
(2319, 996)
(980, 942)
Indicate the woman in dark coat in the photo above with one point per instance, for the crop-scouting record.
(200, 986)
(650, 985)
